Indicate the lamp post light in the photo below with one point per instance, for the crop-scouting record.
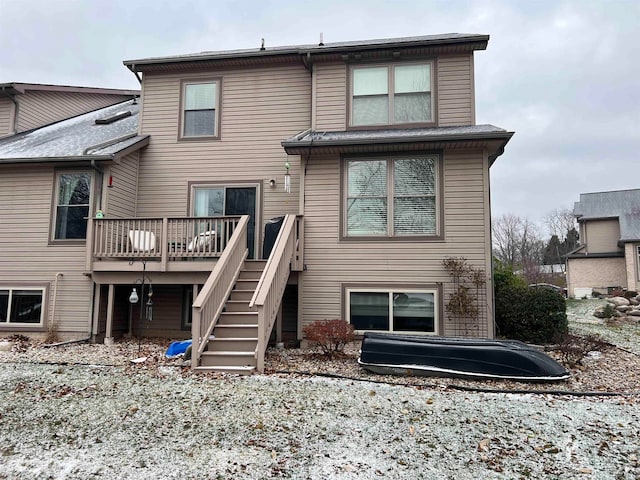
(146, 310)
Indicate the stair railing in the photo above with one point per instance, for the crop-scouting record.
(268, 294)
(212, 297)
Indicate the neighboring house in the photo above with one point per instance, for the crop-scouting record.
(608, 256)
(368, 151)
(25, 106)
(51, 180)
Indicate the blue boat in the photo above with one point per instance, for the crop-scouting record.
(473, 358)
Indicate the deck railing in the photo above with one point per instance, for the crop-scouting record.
(268, 295)
(212, 297)
(159, 238)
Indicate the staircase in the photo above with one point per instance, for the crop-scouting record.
(235, 336)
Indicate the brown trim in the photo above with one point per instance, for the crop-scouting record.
(52, 241)
(438, 287)
(45, 287)
(440, 200)
(218, 120)
(433, 74)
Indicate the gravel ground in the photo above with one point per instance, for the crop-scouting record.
(85, 411)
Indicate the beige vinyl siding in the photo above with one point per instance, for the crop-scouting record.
(601, 236)
(455, 91)
(38, 108)
(631, 265)
(331, 263)
(25, 196)
(260, 107)
(331, 97)
(6, 116)
(120, 201)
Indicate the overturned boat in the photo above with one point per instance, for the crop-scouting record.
(457, 357)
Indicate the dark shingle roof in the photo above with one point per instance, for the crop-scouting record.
(76, 138)
(332, 47)
(621, 204)
(399, 139)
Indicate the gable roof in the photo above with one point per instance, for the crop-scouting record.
(453, 42)
(621, 204)
(78, 138)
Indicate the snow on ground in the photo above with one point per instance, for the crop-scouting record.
(78, 422)
(123, 421)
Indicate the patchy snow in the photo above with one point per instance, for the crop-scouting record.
(154, 419)
(77, 422)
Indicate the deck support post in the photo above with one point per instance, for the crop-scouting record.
(108, 335)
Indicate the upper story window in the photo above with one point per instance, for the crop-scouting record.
(200, 109)
(391, 197)
(72, 204)
(392, 94)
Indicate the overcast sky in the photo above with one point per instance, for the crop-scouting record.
(564, 75)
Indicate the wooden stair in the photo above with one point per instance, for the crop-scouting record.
(235, 336)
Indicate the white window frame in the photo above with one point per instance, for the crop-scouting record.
(390, 197)
(391, 93)
(390, 291)
(183, 110)
(56, 202)
(11, 289)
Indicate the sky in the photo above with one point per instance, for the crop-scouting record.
(563, 75)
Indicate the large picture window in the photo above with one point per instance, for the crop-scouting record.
(21, 306)
(387, 197)
(73, 200)
(391, 94)
(397, 310)
(200, 109)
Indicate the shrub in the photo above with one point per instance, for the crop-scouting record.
(573, 348)
(534, 315)
(608, 311)
(330, 336)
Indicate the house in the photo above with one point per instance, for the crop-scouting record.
(25, 106)
(281, 186)
(609, 254)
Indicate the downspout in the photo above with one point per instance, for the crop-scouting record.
(16, 110)
(55, 298)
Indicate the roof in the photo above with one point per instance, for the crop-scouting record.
(78, 138)
(398, 139)
(466, 41)
(621, 204)
(17, 88)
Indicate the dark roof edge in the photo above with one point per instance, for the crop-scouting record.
(596, 255)
(22, 87)
(301, 50)
(79, 158)
(400, 139)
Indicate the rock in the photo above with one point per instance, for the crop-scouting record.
(624, 308)
(634, 301)
(618, 301)
(635, 313)
(6, 346)
(599, 312)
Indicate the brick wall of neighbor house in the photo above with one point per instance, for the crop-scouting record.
(595, 273)
(28, 259)
(260, 107)
(6, 116)
(601, 236)
(120, 198)
(631, 262)
(331, 262)
(38, 108)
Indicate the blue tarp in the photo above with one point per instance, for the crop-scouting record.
(178, 348)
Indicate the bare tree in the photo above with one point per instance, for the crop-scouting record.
(516, 242)
(559, 222)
